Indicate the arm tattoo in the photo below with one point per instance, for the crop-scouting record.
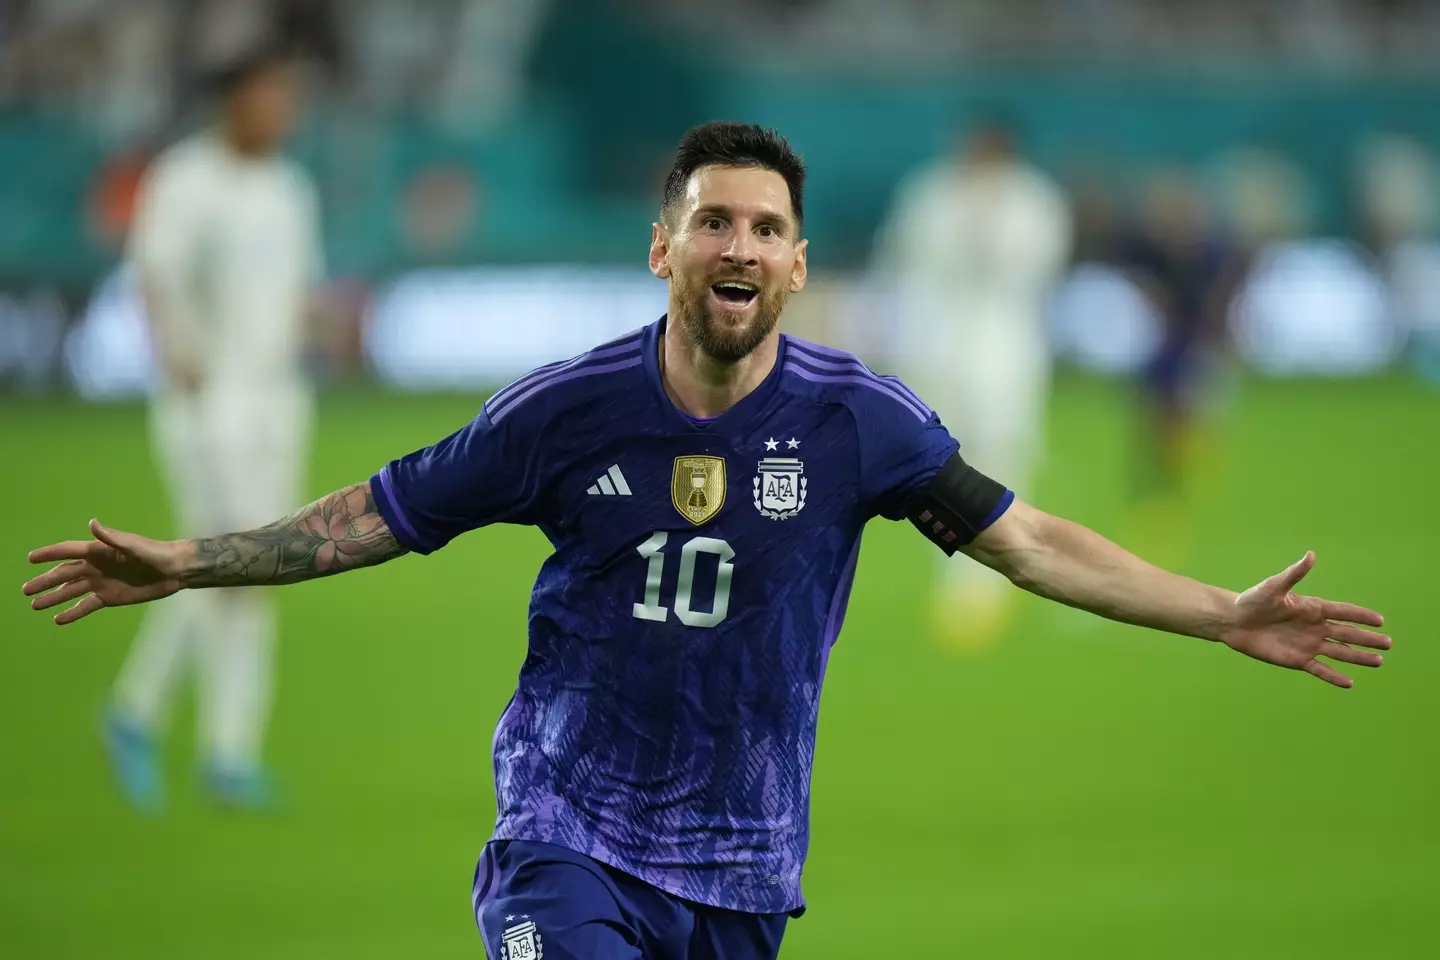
(338, 532)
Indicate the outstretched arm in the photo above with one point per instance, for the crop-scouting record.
(1064, 561)
(341, 531)
(338, 532)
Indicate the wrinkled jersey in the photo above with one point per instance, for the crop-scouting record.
(664, 721)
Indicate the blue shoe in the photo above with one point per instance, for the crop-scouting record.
(248, 788)
(135, 760)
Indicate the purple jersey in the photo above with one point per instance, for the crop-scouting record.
(665, 717)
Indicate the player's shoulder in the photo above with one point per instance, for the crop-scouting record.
(177, 183)
(916, 187)
(186, 159)
(595, 376)
(293, 176)
(1045, 188)
(828, 375)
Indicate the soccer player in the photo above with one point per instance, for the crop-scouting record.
(974, 244)
(704, 481)
(226, 251)
(1190, 271)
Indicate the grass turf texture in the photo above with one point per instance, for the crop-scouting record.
(1081, 790)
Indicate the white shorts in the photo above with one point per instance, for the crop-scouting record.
(232, 459)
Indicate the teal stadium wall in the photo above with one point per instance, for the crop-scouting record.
(543, 197)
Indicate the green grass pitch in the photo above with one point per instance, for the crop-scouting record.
(1081, 790)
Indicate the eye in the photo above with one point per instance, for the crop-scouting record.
(767, 231)
(712, 223)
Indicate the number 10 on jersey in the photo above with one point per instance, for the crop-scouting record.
(653, 550)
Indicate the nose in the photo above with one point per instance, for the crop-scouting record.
(742, 250)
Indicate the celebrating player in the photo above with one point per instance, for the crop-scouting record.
(704, 481)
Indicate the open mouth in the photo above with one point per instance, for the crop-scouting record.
(735, 293)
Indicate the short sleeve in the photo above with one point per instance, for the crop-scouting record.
(481, 474)
(903, 445)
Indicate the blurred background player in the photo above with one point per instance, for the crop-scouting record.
(973, 245)
(1181, 258)
(226, 248)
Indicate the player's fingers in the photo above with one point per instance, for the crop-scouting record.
(1358, 636)
(1335, 610)
(69, 550)
(1316, 669)
(1361, 658)
(82, 609)
(64, 573)
(1285, 581)
(68, 592)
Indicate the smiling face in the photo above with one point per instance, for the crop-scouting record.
(730, 248)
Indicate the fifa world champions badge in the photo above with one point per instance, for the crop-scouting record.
(780, 487)
(522, 942)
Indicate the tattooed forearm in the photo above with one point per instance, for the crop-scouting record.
(336, 533)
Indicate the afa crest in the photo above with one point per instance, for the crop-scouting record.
(780, 487)
(697, 487)
(522, 942)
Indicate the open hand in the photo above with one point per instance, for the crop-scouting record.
(113, 570)
(1276, 625)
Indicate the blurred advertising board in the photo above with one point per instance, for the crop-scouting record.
(1309, 308)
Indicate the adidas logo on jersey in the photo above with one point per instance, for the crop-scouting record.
(611, 484)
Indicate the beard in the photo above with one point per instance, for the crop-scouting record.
(721, 335)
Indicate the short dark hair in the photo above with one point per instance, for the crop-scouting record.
(228, 77)
(725, 143)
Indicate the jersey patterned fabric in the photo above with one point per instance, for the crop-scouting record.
(664, 721)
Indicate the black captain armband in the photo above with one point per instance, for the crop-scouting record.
(959, 503)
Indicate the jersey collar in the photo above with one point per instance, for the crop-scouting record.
(739, 413)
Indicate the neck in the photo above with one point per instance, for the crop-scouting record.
(703, 387)
(241, 147)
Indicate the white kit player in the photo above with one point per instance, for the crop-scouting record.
(973, 246)
(225, 246)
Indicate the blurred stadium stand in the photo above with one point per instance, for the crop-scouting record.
(450, 133)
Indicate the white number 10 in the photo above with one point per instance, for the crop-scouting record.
(652, 549)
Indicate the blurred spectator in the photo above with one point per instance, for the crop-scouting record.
(974, 244)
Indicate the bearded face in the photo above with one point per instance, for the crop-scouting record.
(733, 257)
(728, 316)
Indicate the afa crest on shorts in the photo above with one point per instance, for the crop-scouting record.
(780, 487)
(522, 942)
(697, 487)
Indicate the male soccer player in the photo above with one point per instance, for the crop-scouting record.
(705, 481)
(975, 243)
(226, 251)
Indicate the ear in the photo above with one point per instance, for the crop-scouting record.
(660, 250)
(799, 271)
